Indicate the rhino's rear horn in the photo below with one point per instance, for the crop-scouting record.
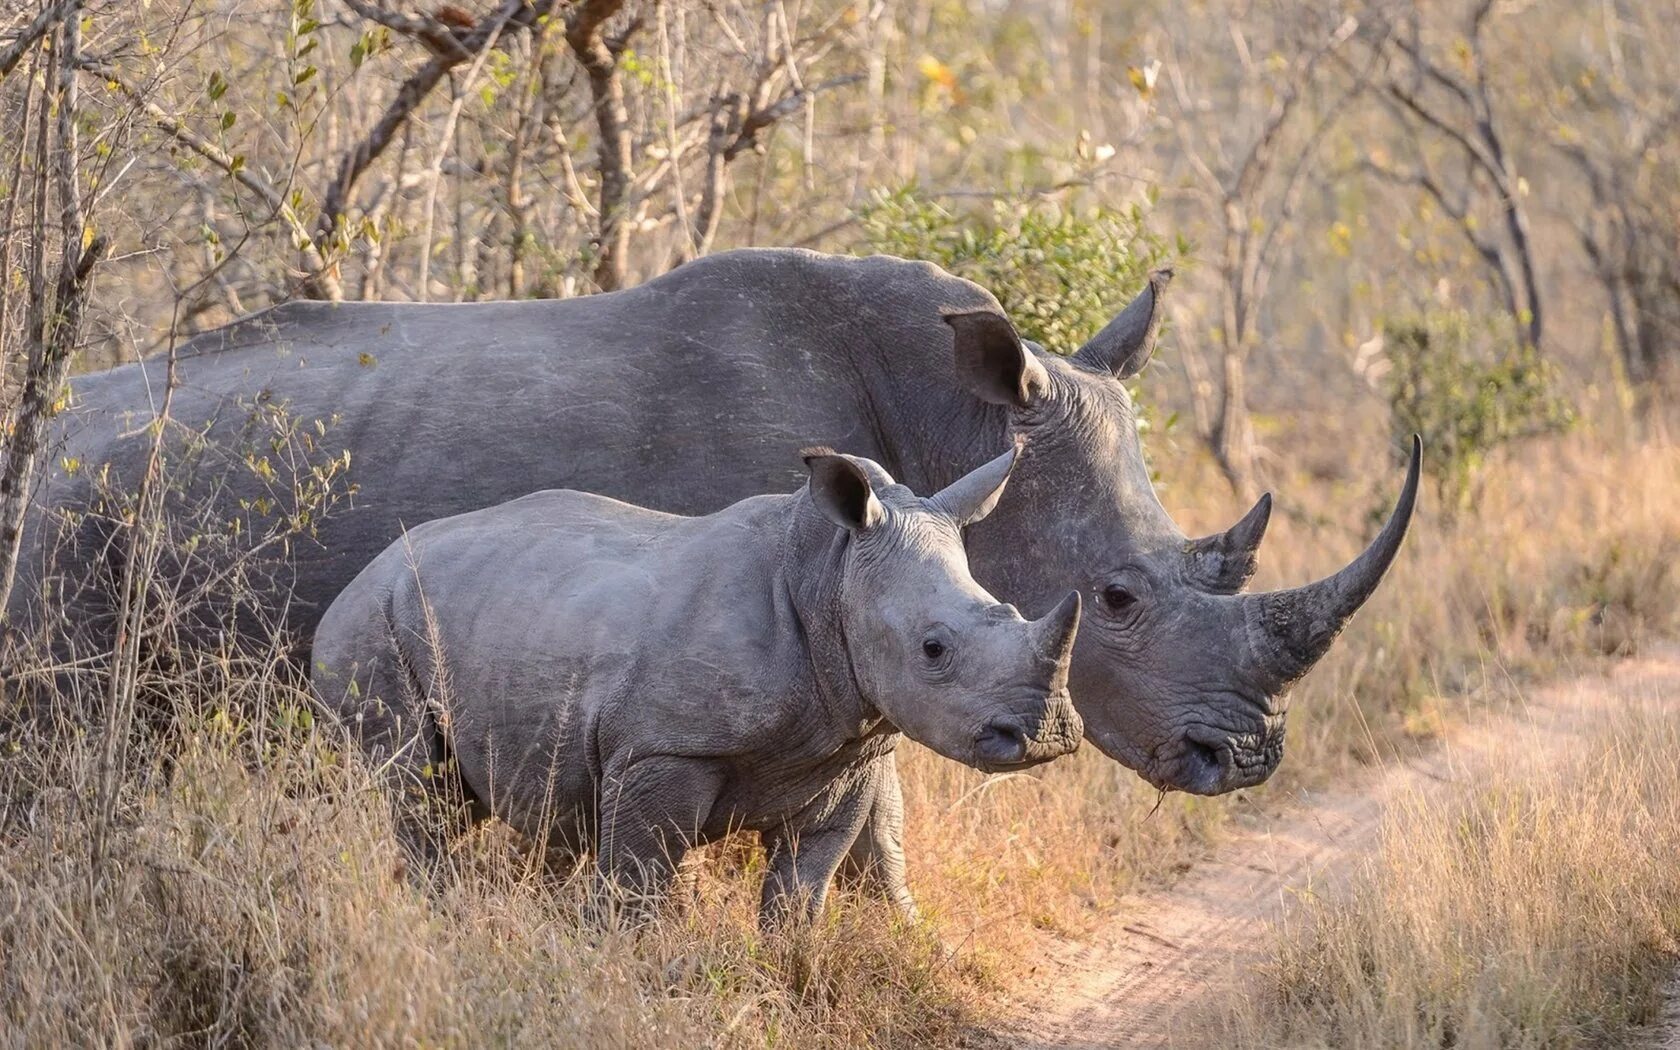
(1292, 629)
(971, 497)
(1227, 560)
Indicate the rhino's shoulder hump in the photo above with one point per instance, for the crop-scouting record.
(876, 280)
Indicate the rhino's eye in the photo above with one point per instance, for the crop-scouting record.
(1116, 598)
(933, 648)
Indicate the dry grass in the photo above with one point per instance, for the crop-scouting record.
(254, 896)
(1530, 912)
(251, 894)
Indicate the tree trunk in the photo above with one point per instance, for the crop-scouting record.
(1233, 433)
(55, 338)
(615, 152)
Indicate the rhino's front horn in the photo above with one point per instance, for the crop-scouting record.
(1226, 561)
(1125, 344)
(1291, 629)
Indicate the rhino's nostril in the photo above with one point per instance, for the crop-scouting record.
(1206, 756)
(1001, 743)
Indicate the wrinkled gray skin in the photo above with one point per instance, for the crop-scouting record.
(696, 389)
(612, 678)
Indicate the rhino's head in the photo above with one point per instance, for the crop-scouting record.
(1176, 674)
(943, 660)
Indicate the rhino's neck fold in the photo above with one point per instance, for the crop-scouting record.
(928, 429)
(812, 562)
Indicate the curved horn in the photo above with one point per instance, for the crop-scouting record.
(1125, 344)
(1291, 629)
(971, 497)
(1227, 560)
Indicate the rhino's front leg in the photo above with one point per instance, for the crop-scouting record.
(652, 811)
(876, 859)
(804, 853)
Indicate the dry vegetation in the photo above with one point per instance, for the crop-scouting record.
(246, 888)
(1527, 911)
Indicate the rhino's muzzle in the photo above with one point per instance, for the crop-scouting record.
(1205, 761)
(1018, 741)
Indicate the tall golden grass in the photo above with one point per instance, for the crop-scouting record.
(1526, 911)
(243, 887)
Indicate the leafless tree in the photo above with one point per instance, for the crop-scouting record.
(1458, 115)
(57, 305)
(1251, 169)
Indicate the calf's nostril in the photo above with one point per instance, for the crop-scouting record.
(1206, 754)
(1002, 743)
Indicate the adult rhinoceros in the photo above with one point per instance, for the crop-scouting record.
(697, 389)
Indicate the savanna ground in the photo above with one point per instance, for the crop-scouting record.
(1372, 214)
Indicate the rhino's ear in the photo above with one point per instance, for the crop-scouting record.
(992, 362)
(1126, 343)
(841, 490)
(971, 497)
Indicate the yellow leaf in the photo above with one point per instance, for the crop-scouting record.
(936, 71)
(1143, 78)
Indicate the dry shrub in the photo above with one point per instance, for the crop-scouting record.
(1528, 911)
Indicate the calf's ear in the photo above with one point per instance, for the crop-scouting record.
(971, 497)
(841, 490)
(992, 362)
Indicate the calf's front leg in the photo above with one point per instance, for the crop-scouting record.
(875, 861)
(652, 811)
(804, 853)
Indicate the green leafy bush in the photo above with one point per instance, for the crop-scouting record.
(1060, 273)
(1465, 401)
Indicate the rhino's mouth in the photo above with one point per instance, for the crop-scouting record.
(1208, 761)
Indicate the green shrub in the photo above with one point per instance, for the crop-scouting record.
(1464, 398)
(1060, 273)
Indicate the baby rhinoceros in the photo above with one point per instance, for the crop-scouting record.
(609, 678)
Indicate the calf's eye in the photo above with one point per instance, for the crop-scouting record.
(933, 649)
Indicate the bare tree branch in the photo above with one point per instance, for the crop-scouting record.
(511, 16)
(45, 20)
(171, 125)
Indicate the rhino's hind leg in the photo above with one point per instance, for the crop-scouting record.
(432, 805)
(875, 863)
(386, 711)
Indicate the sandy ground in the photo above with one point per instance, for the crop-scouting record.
(1154, 973)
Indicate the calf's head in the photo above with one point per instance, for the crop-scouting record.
(942, 659)
(1175, 673)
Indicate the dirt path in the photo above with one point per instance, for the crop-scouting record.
(1150, 976)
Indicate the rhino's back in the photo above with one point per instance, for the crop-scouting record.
(687, 393)
(666, 632)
